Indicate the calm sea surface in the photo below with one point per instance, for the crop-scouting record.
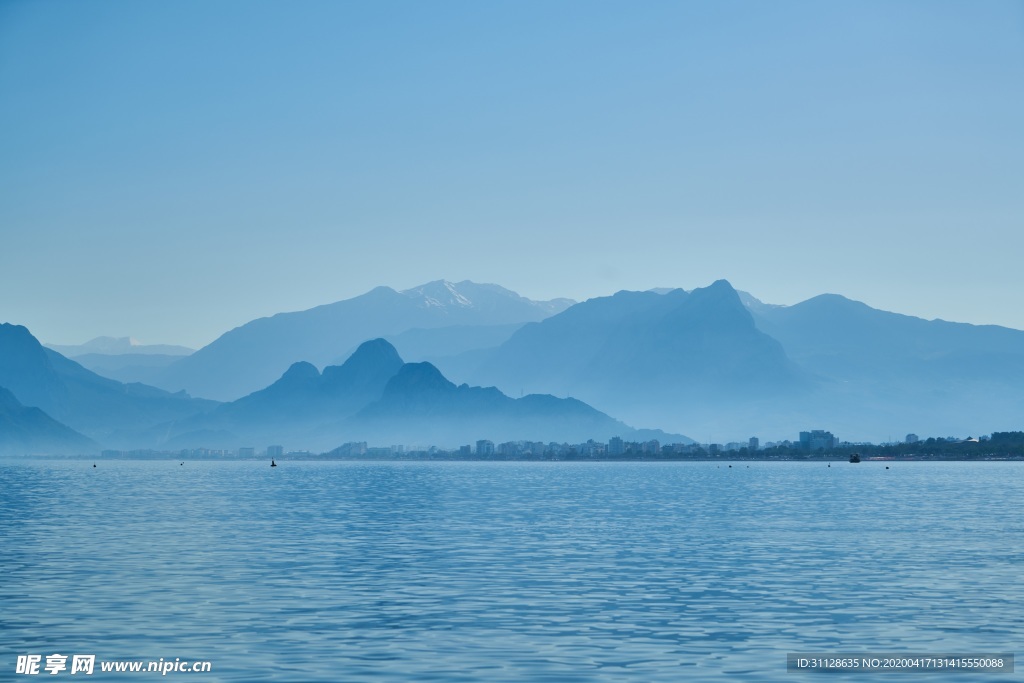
(319, 571)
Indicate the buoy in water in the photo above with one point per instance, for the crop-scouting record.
(272, 463)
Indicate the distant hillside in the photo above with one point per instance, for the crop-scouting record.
(846, 339)
(29, 430)
(253, 355)
(889, 374)
(103, 409)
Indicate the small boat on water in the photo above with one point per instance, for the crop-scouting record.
(855, 457)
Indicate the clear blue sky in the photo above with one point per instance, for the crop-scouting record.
(171, 170)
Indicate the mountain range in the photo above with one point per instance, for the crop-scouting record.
(249, 357)
(713, 362)
(883, 373)
(116, 346)
(122, 358)
(49, 403)
(375, 396)
(657, 346)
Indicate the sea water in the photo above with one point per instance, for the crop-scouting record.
(331, 571)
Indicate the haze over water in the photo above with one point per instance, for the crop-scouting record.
(323, 571)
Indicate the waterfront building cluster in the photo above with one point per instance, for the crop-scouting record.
(815, 444)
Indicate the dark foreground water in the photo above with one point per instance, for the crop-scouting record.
(508, 571)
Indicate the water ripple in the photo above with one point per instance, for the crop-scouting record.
(506, 571)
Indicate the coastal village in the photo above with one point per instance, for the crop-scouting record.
(810, 445)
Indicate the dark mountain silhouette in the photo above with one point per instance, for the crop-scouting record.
(300, 401)
(253, 355)
(420, 405)
(376, 397)
(103, 409)
(26, 430)
(306, 394)
(440, 343)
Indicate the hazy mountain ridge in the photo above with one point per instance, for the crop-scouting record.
(656, 357)
(833, 326)
(304, 396)
(554, 352)
(250, 357)
(420, 405)
(894, 373)
(712, 361)
(117, 346)
(720, 362)
(439, 343)
(30, 430)
(127, 367)
(374, 396)
(103, 409)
